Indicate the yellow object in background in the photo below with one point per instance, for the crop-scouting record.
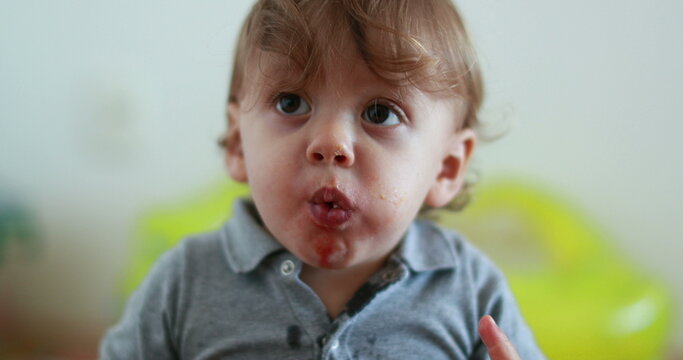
(164, 227)
(582, 300)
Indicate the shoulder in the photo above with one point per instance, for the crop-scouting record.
(147, 328)
(486, 290)
(204, 247)
(464, 273)
(201, 251)
(193, 254)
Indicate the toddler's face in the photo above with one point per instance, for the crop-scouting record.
(339, 169)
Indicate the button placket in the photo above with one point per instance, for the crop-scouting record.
(306, 310)
(331, 343)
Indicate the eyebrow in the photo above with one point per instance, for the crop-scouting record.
(401, 93)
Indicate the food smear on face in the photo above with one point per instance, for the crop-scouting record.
(331, 252)
(396, 197)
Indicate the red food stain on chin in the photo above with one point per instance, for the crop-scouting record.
(324, 252)
(330, 252)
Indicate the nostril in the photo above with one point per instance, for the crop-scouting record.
(340, 158)
(318, 156)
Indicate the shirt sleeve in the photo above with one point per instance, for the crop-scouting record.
(496, 299)
(145, 330)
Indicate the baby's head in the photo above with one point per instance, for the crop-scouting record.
(346, 117)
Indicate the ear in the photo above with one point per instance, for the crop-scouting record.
(454, 165)
(234, 154)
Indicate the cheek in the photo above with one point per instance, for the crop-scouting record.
(398, 191)
(269, 182)
(266, 162)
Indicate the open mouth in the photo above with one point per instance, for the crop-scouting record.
(330, 208)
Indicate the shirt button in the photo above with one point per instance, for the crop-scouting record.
(334, 345)
(287, 267)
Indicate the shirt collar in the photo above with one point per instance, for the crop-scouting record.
(424, 246)
(427, 247)
(245, 239)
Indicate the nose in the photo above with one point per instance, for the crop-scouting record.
(331, 143)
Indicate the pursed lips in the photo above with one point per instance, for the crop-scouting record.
(330, 208)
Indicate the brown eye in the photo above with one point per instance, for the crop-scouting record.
(380, 114)
(292, 104)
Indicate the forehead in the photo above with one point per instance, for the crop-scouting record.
(269, 71)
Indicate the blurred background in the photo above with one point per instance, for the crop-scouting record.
(110, 111)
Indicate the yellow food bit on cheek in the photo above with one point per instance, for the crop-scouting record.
(396, 198)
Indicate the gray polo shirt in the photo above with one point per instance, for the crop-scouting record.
(236, 293)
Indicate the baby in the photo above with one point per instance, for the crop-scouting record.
(347, 118)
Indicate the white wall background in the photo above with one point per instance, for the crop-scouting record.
(107, 107)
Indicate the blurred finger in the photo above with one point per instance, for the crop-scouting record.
(497, 343)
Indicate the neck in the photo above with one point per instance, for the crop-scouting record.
(335, 287)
